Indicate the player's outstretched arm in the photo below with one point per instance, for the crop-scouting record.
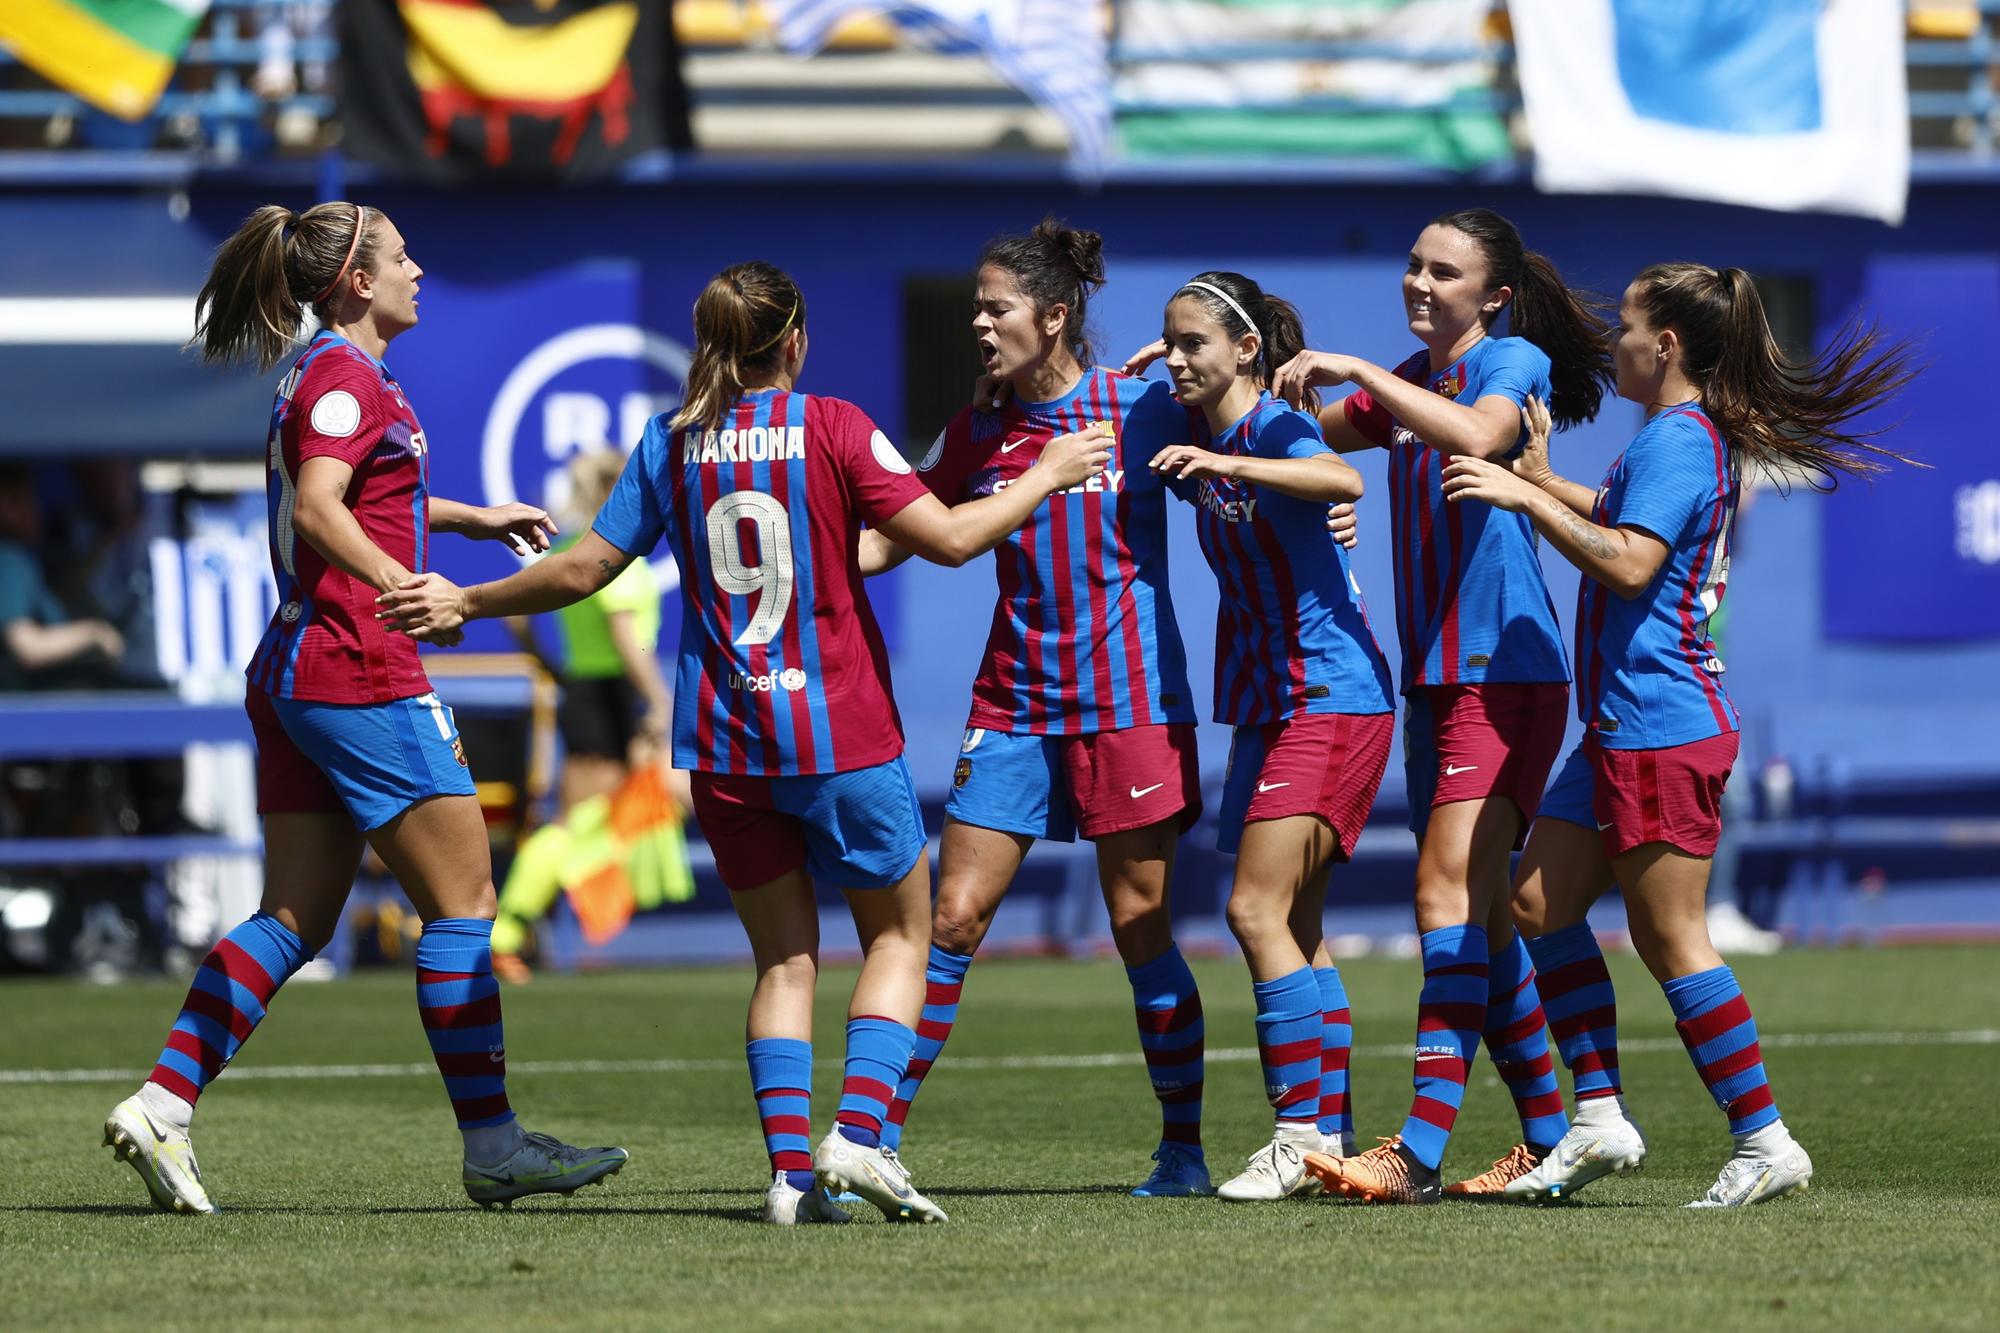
(522, 526)
(958, 534)
(423, 605)
(1322, 477)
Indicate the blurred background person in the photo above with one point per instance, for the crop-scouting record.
(40, 643)
(613, 718)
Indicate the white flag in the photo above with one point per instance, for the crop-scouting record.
(1781, 104)
(1052, 50)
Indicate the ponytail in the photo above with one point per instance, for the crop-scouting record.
(740, 322)
(1568, 325)
(1055, 264)
(1240, 306)
(1788, 418)
(277, 266)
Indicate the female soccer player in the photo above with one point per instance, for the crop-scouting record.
(1299, 675)
(1640, 798)
(1081, 716)
(1483, 665)
(782, 705)
(352, 745)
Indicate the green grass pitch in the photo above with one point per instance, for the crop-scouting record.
(342, 1206)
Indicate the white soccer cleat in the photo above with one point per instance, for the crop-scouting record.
(1607, 1144)
(161, 1154)
(540, 1164)
(1337, 1145)
(875, 1175)
(786, 1207)
(1276, 1171)
(1767, 1165)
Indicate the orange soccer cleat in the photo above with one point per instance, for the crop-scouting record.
(1385, 1174)
(1489, 1184)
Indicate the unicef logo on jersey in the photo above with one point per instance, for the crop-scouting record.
(588, 388)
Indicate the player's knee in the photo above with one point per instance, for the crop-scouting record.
(1252, 920)
(957, 926)
(1531, 914)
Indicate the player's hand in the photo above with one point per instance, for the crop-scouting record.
(1313, 370)
(1468, 478)
(446, 638)
(1532, 466)
(1184, 461)
(1137, 363)
(423, 606)
(1342, 523)
(1071, 460)
(522, 526)
(990, 393)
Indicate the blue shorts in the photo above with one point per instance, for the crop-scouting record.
(1569, 796)
(1096, 784)
(375, 760)
(862, 829)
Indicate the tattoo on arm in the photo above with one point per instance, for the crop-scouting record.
(1584, 533)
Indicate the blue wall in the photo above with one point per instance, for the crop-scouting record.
(1336, 249)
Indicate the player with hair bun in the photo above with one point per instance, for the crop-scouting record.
(1639, 800)
(783, 713)
(1483, 668)
(1299, 676)
(1081, 720)
(352, 745)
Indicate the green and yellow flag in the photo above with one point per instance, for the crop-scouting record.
(115, 54)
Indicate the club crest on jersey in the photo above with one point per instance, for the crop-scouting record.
(1450, 384)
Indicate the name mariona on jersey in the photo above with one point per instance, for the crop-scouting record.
(757, 444)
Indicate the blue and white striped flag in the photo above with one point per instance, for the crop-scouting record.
(1782, 104)
(1052, 50)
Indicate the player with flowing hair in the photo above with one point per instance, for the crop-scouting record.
(352, 745)
(1299, 676)
(783, 713)
(1639, 800)
(1483, 669)
(1081, 719)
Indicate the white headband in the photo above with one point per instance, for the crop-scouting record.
(1230, 301)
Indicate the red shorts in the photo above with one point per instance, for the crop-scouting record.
(1673, 795)
(288, 783)
(1054, 787)
(1470, 742)
(1324, 764)
(861, 829)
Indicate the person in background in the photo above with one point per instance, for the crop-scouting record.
(40, 643)
(614, 717)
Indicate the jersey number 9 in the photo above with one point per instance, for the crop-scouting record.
(771, 575)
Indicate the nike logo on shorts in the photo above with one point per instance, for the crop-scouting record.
(1271, 786)
(1451, 771)
(1602, 827)
(1137, 792)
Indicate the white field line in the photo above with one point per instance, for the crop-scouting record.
(1105, 1060)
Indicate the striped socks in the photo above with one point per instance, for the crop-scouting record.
(944, 979)
(1518, 1040)
(1582, 1008)
(1171, 1034)
(1336, 1111)
(1288, 1044)
(459, 1002)
(227, 999)
(1715, 1025)
(878, 1053)
(1450, 1012)
(781, 1077)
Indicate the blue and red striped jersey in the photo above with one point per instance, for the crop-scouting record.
(1647, 670)
(1471, 604)
(1084, 637)
(324, 643)
(1291, 631)
(782, 667)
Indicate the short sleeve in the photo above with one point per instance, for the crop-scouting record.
(883, 482)
(945, 465)
(635, 518)
(1368, 417)
(1516, 370)
(1153, 419)
(20, 582)
(1670, 476)
(1289, 435)
(339, 409)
